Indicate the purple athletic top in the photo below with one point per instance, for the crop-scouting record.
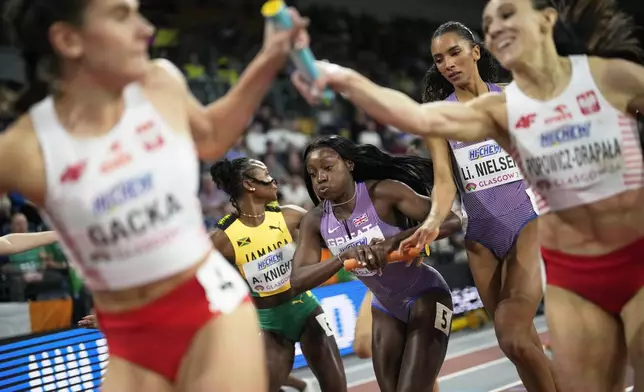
(398, 285)
(489, 181)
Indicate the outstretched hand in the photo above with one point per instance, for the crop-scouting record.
(331, 75)
(278, 43)
(426, 234)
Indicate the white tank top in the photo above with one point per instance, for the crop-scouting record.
(575, 149)
(124, 204)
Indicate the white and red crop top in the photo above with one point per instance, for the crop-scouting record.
(124, 204)
(577, 148)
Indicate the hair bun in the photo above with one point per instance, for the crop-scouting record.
(222, 172)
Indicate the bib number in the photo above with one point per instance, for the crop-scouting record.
(443, 319)
(324, 323)
(270, 274)
(485, 165)
(222, 285)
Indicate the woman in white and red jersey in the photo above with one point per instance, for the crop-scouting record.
(111, 156)
(567, 119)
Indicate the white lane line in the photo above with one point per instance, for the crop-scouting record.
(473, 369)
(517, 383)
(446, 377)
(507, 386)
(482, 335)
(358, 367)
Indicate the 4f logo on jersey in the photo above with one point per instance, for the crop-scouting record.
(588, 103)
(526, 121)
(73, 172)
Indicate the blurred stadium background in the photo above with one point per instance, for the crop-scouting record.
(41, 299)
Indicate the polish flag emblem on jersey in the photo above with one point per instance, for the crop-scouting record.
(361, 220)
(150, 136)
(588, 103)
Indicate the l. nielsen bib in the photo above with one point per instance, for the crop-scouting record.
(485, 165)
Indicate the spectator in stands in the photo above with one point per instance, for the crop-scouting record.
(238, 150)
(273, 163)
(370, 134)
(29, 262)
(194, 70)
(226, 73)
(294, 192)
(210, 197)
(263, 117)
(294, 160)
(256, 139)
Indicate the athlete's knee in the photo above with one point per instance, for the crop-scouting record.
(516, 346)
(514, 337)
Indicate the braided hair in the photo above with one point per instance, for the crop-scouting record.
(229, 175)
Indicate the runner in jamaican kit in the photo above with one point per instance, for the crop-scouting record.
(259, 240)
(369, 196)
(495, 201)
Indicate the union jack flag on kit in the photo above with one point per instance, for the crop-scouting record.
(361, 220)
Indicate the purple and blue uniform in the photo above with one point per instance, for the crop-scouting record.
(396, 289)
(494, 196)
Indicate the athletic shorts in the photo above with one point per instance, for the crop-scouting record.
(288, 319)
(405, 286)
(609, 280)
(499, 234)
(158, 335)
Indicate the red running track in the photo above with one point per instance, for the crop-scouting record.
(453, 367)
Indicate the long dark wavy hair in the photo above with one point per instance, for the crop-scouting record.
(595, 28)
(435, 86)
(370, 163)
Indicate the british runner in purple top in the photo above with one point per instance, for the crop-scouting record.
(365, 196)
(501, 225)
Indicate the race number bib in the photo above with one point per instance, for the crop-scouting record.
(485, 165)
(271, 273)
(340, 244)
(224, 287)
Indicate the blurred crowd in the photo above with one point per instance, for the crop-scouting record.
(393, 53)
(212, 52)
